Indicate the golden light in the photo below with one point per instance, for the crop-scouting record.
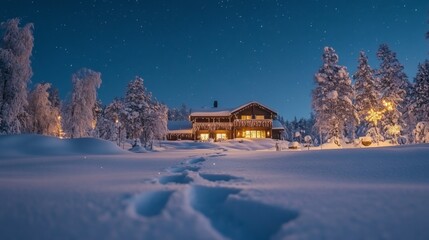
(116, 121)
(388, 105)
(394, 130)
(59, 128)
(374, 116)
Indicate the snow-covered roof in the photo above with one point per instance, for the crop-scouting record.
(252, 102)
(277, 125)
(223, 112)
(179, 125)
(212, 112)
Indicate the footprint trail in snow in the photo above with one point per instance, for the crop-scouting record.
(227, 209)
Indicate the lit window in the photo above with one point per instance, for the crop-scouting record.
(254, 134)
(246, 117)
(259, 117)
(204, 136)
(220, 136)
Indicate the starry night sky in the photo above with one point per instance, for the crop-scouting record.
(197, 51)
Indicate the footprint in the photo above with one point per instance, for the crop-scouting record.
(178, 179)
(217, 155)
(193, 168)
(219, 177)
(148, 204)
(196, 160)
(237, 218)
(176, 169)
(180, 169)
(222, 149)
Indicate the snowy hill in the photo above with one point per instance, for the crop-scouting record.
(91, 189)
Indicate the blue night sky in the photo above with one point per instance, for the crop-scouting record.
(194, 52)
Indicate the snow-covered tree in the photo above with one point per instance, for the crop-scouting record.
(44, 117)
(16, 45)
(393, 86)
(418, 108)
(420, 101)
(180, 114)
(302, 126)
(146, 118)
(367, 96)
(137, 101)
(332, 98)
(84, 96)
(54, 97)
(155, 127)
(110, 124)
(421, 132)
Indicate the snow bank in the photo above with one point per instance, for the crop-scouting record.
(38, 145)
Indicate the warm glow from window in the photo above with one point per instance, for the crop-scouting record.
(254, 134)
(220, 136)
(204, 136)
(246, 117)
(259, 117)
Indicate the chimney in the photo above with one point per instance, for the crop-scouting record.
(215, 104)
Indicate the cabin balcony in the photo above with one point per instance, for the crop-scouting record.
(251, 123)
(212, 126)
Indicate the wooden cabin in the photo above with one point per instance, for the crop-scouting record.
(251, 120)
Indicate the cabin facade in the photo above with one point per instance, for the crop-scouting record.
(251, 120)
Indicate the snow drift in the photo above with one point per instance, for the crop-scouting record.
(38, 145)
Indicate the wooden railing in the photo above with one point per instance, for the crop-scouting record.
(253, 123)
(196, 126)
(212, 126)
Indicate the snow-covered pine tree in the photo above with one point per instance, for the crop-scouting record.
(137, 101)
(44, 117)
(302, 126)
(332, 98)
(155, 127)
(367, 96)
(420, 100)
(173, 114)
(393, 86)
(84, 96)
(181, 114)
(110, 125)
(54, 97)
(161, 120)
(184, 112)
(16, 45)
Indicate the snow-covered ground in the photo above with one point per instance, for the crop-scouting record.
(91, 189)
